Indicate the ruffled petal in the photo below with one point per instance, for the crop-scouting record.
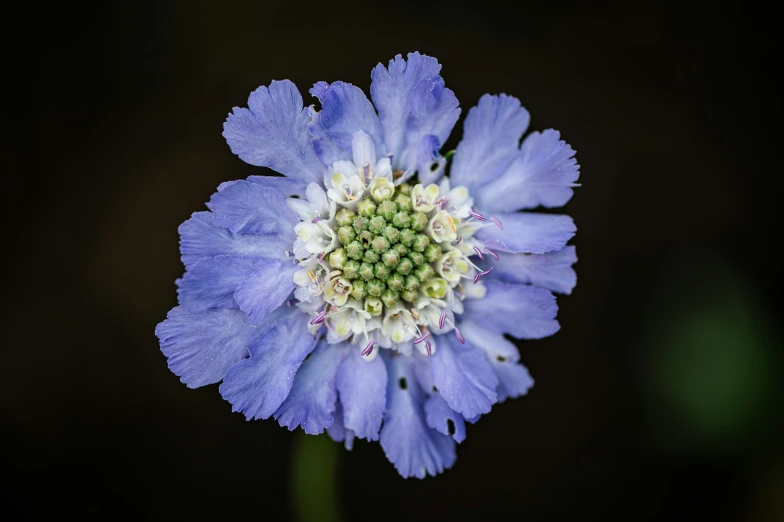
(444, 419)
(265, 289)
(212, 281)
(311, 402)
(200, 238)
(258, 386)
(272, 132)
(543, 173)
(514, 379)
(249, 208)
(415, 449)
(338, 432)
(463, 377)
(392, 88)
(201, 347)
(286, 187)
(524, 311)
(363, 394)
(528, 232)
(552, 270)
(491, 137)
(345, 110)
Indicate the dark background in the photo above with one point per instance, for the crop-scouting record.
(660, 399)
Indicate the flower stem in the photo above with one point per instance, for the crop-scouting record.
(313, 480)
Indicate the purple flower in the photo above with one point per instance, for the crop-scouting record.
(295, 285)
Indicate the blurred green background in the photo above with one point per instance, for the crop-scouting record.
(659, 399)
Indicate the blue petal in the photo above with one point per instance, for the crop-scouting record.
(392, 89)
(273, 132)
(249, 208)
(345, 111)
(514, 379)
(286, 187)
(463, 377)
(552, 270)
(212, 281)
(200, 238)
(542, 174)
(202, 347)
(338, 432)
(491, 137)
(265, 289)
(311, 402)
(258, 386)
(528, 232)
(363, 394)
(415, 449)
(444, 419)
(434, 111)
(524, 311)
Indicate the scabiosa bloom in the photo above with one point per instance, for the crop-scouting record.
(365, 292)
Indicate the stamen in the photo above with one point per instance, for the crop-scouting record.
(478, 252)
(478, 276)
(369, 348)
(459, 335)
(429, 348)
(312, 276)
(321, 256)
(424, 336)
(347, 192)
(316, 219)
(488, 251)
(477, 215)
(365, 171)
(442, 319)
(497, 222)
(318, 318)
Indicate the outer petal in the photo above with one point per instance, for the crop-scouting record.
(528, 232)
(200, 238)
(212, 281)
(391, 90)
(552, 270)
(201, 347)
(337, 430)
(273, 132)
(463, 377)
(415, 449)
(514, 379)
(523, 311)
(258, 386)
(444, 419)
(265, 289)
(311, 402)
(363, 394)
(345, 110)
(249, 208)
(491, 135)
(542, 174)
(286, 187)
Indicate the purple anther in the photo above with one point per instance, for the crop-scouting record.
(459, 239)
(369, 348)
(321, 256)
(488, 251)
(318, 318)
(497, 222)
(477, 215)
(429, 348)
(316, 219)
(479, 253)
(442, 319)
(459, 335)
(420, 339)
(366, 169)
(478, 276)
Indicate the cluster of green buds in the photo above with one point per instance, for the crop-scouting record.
(386, 255)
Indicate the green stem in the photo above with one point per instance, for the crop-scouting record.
(313, 477)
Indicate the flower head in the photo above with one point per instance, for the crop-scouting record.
(366, 292)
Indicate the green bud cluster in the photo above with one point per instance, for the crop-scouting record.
(384, 253)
